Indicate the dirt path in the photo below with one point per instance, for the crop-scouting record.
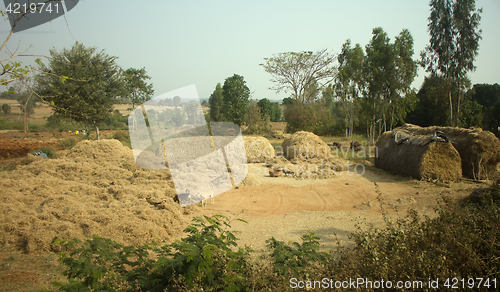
(285, 207)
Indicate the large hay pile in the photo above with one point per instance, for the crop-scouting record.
(304, 145)
(306, 156)
(417, 156)
(96, 189)
(258, 149)
(479, 150)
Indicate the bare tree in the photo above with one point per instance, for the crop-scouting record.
(297, 72)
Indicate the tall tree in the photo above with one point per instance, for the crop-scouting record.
(137, 89)
(453, 46)
(86, 95)
(236, 95)
(349, 84)
(297, 72)
(270, 109)
(390, 70)
(216, 100)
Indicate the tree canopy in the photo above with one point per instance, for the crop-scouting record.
(235, 99)
(90, 82)
(137, 89)
(453, 46)
(216, 99)
(270, 109)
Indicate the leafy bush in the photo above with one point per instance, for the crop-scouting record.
(6, 108)
(462, 243)
(292, 260)
(67, 143)
(207, 258)
(123, 137)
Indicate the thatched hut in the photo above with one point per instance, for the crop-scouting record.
(479, 150)
(419, 156)
(305, 145)
(258, 149)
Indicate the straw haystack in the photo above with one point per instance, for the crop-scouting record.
(258, 149)
(479, 150)
(419, 156)
(305, 145)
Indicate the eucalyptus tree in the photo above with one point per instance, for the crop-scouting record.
(389, 72)
(349, 84)
(453, 46)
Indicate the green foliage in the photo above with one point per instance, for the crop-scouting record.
(432, 104)
(216, 100)
(287, 101)
(137, 90)
(116, 121)
(270, 109)
(90, 81)
(257, 124)
(461, 242)
(312, 117)
(390, 70)
(235, 99)
(207, 257)
(453, 46)
(294, 260)
(350, 83)
(488, 96)
(67, 143)
(472, 114)
(123, 137)
(6, 108)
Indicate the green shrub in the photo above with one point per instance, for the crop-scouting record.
(295, 259)
(67, 143)
(124, 137)
(207, 257)
(6, 108)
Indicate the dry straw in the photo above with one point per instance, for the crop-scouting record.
(479, 150)
(430, 160)
(258, 149)
(96, 189)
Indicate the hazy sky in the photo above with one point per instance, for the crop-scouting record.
(203, 42)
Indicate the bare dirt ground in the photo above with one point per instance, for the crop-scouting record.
(285, 208)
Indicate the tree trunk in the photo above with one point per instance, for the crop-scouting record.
(25, 120)
(97, 131)
(451, 108)
(458, 108)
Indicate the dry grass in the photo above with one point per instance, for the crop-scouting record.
(96, 189)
